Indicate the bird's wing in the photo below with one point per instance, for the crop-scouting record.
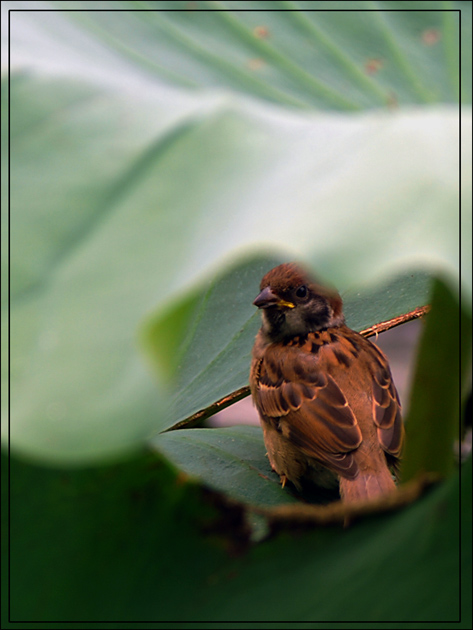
(300, 394)
(386, 405)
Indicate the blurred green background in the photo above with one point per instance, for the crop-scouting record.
(163, 156)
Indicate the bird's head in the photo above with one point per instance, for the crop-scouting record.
(294, 304)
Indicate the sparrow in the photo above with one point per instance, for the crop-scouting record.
(325, 395)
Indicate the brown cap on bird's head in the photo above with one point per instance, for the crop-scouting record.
(279, 283)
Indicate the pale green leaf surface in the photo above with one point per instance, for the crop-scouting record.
(152, 153)
(127, 191)
(301, 58)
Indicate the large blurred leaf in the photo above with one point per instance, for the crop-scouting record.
(127, 190)
(150, 151)
(137, 543)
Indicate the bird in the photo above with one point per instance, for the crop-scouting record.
(328, 407)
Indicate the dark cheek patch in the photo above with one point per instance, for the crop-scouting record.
(275, 319)
(317, 320)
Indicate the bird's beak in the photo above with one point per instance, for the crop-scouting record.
(267, 298)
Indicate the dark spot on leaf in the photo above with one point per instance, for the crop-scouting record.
(372, 66)
(261, 32)
(431, 36)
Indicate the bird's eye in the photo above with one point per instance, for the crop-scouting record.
(301, 291)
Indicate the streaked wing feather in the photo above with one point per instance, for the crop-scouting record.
(387, 408)
(312, 413)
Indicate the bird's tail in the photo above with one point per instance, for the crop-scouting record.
(367, 485)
